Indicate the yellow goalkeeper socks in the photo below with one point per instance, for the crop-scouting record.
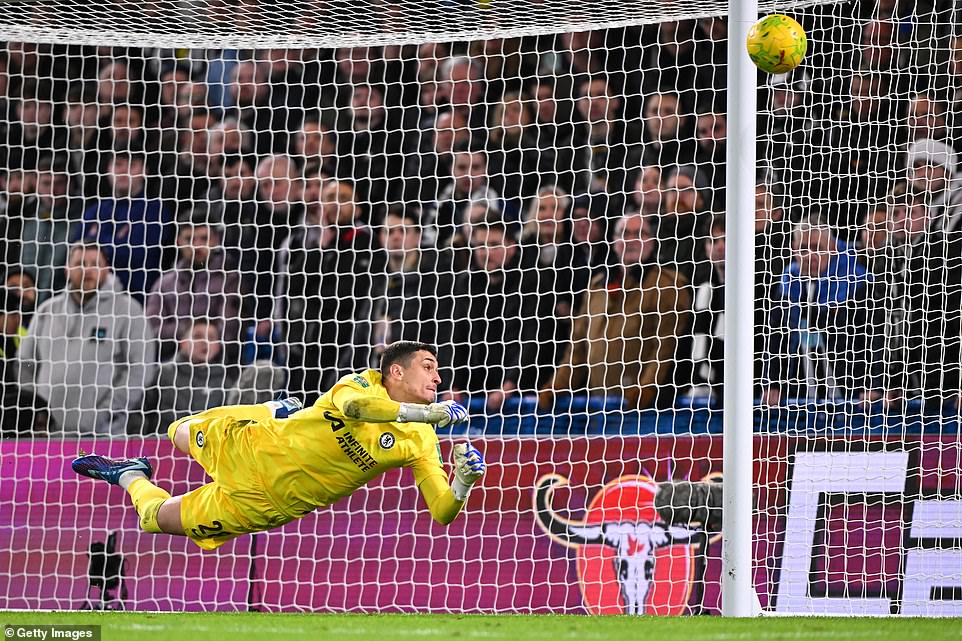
(147, 499)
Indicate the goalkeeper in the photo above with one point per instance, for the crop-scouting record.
(276, 462)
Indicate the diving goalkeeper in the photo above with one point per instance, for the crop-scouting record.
(276, 462)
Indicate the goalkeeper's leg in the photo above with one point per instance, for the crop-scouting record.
(158, 511)
(179, 431)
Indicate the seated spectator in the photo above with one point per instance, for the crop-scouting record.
(561, 140)
(933, 175)
(684, 215)
(648, 195)
(200, 285)
(612, 143)
(558, 273)
(711, 132)
(824, 339)
(89, 352)
(589, 230)
(325, 290)
(634, 357)
(492, 319)
(21, 413)
(47, 221)
(315, 146)
(280, 206)
(667, 130)
(239, 199)
(191, 172)
(131, 226)
(470, 185)
(194, 381)
(23, 285)
(428, 172)
(708, 324)
(371, 149)
(512, 149)
(417, 281)
(921, 261)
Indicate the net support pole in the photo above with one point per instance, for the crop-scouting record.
(738, 592)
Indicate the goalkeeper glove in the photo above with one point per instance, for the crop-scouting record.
(440, 414)
(468, 468)
(285, 407)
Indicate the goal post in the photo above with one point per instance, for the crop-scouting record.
(738, 590)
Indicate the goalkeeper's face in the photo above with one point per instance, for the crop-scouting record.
(418, 381)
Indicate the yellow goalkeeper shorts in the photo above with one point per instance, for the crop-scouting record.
(236, 503)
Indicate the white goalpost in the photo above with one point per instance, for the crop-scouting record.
(650, 270)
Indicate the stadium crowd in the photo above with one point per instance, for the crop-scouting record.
(184, 229)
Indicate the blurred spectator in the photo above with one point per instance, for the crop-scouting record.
(429, 171)
(682, 221)
(511, 150)
(192, 173)
(667, 135)
(631, 358)
(465, 90)
(493, 317)
(47, 220)
(589, 230)
(254, 105)
(671, 60)
(879, 50)
(315, 147)
(856, 149)
(648, 195)
(129, 224)
(370, 149)
(417, 282)
(711, 53)
(558, 274)
(921, 262)
(708, 323)
(23, 285)
(928, 119)
(239, 199)
(561, 141)
(21, 413)
(195, 380)
(126, 126)
(825, 340)
(612, 143)
(89, 352)
(33, 133)
(82, 143)
(470, 184)
(280, 206)
(325, 291)
(933, 175)
(711, 133)
(200, 285)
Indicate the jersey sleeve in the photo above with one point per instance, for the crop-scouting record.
(432, 482)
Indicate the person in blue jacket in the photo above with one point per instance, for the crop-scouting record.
(131, 227)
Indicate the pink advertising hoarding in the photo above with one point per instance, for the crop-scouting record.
(598, 547)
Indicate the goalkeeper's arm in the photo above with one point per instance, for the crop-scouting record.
(445, 502)
(374, 409)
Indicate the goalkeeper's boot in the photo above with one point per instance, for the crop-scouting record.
(105, 469)
(285, 407)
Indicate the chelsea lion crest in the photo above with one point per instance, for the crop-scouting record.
(387, 440)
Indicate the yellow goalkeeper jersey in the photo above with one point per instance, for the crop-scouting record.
(319, 455)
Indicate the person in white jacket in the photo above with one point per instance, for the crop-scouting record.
(89, 351)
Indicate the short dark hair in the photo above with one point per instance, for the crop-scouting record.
(402, 352)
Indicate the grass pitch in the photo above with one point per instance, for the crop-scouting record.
(133, 626)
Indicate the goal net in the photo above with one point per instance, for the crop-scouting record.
(217, 202)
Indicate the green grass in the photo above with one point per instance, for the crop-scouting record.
(131, 626)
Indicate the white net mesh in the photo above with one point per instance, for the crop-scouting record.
(219, 203)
